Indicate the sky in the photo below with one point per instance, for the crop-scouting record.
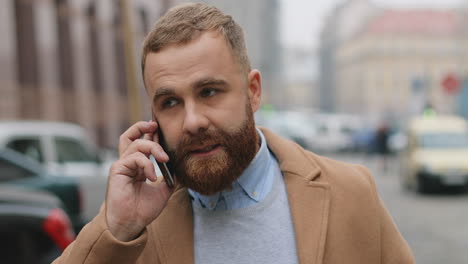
(302, 19)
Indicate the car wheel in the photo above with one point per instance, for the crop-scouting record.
(19, 248)
(425, 185)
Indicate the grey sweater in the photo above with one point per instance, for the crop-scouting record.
(262, 233)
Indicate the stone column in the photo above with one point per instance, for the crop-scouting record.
(143, 24)
(47, 43)
(110, 100)
(9, 100)
(85, 109)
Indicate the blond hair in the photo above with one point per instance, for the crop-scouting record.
(186, 22)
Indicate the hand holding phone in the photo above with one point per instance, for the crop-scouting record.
(128, 177)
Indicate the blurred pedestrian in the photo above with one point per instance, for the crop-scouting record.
(381, 146)
(242, 194)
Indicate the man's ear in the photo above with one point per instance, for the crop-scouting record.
(254, 80)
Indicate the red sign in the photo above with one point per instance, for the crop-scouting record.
(451, 84)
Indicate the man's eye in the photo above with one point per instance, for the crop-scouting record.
(208, 92)
(169, 103)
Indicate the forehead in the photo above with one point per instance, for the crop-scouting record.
(206, 56)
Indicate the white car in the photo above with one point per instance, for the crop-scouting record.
(436, 154)
(334, 132)
(294, 125)
(62, 148)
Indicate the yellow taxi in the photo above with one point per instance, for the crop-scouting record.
(436, 154)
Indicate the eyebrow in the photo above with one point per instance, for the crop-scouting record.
(163, 91)
(208, 81)
(167, 91)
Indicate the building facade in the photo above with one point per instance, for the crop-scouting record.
(342, 23)
(393, 62)
(395, 66)
(300, 83)
(260, 21)
(64, 60)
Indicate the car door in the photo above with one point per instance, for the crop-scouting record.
(75, 158)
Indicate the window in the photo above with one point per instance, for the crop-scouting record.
(29, 147)
(444, 140)
(119, 49)
(71, 150)
(10, 171)
(144, 20)
(94, 49)
(65, 50)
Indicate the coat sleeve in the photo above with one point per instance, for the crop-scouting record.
(96, 244)
(394, 248)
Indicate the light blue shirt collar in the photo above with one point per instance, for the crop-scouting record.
(250, 188)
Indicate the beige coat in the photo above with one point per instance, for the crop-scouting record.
(337, 214)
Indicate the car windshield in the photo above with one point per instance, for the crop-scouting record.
(444, 140)
(71, 150)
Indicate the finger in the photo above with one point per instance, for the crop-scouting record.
(136, 131)
(136, 166)
(148, 136)
(147, 147)
(141, 174)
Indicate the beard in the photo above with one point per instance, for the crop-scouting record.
(217, 172)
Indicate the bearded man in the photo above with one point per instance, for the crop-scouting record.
(242, 194)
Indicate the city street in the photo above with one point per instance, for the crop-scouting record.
(435, 226)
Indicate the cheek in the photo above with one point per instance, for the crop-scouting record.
(231, 119)
(233, 109)
(171, 143)
(172, 136)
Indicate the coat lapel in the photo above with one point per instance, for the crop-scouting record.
(309, 204)
(309, 199)
(174, 230)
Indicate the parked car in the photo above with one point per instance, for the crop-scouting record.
(62, 148)
(33, 225)
(294, 125)
(436, 153)
(17, 170)
(334, 132)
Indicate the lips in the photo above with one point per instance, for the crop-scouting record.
(205, 148)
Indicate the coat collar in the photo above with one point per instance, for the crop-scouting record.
(309, 200)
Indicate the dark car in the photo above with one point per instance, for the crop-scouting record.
(33, 227)
(18, 170)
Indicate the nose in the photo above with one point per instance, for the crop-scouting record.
(195, 119)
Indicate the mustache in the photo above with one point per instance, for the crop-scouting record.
(189, 142)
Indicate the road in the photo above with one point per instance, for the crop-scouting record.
(435, 226)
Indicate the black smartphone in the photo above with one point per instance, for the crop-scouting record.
(163, 167)
(166, 174)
